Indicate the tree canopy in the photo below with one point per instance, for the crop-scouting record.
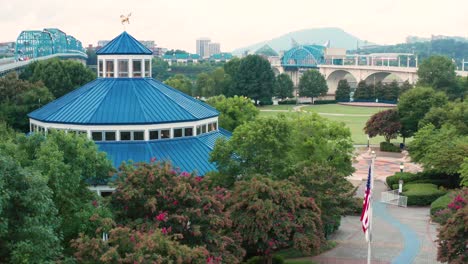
(343, 91)
(413, 106)
(59, 76)
(181, 83)
(18, 98)
(437, 72)
(312, 84)
(284, 86)
(233, 111)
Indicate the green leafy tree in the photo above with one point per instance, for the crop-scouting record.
(453, 113)
(221, 81)
(312, 84)
(405, 86)
(29, 223)
(364, 91)
(272, 215)
(18, 98)
(254, 78)
(391, 91)
(437, 72)
(59, 76)
(92, 57)
(283, 86)
(68, 163)
(181, 83)
(233, 111)
(384, 123)
(442, 150)
(413, 106)
(159, 69)
(464, 173)
(343, 91)
(205, 85)
(333, 193)
(155, 196)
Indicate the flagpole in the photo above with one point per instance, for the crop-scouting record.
(371, 212)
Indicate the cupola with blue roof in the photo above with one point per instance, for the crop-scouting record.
(132, 116)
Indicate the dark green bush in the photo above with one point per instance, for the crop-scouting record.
(325, 102)
(441, 203)
(260, 260)
(287, 102)
(405, 176)
(422, 193)
(389, 147)
(265, 102)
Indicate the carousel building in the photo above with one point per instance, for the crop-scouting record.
(132, 116)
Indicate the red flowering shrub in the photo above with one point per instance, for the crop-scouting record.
(272, 215)
(180, 205)
(452, 237)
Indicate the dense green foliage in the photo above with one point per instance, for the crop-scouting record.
(18, 98)
(267, 223)
(65, 164)
(233, 111)
(59, 76)
(159, 69)
(389, 147)
(427, 176)
(379, 91)
(343, 91)
(385, 123)
(312, 84)
(252, 77)
(422, 194)
(440, 204)
(212, 83)
(283, 86)
(413, 106)
(453, 113)
(181, 83)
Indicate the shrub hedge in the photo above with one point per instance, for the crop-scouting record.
(389, 147)
(422, 193)
(422, 177)
(441, 203)
(287, 102)
(260, 260)
(318, 102)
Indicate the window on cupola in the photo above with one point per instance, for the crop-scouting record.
(147, 68)
(123, 68)
(101, 69)
(136, 68)
(109, 68)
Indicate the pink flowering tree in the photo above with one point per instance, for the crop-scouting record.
(272, 215)
(155, 196)
(452, 247)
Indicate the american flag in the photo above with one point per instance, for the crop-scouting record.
(366, 208)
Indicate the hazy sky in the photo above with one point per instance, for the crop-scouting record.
(234, 23)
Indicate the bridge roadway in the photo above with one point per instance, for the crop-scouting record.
(14, 66)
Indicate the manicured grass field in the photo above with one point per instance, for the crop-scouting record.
(345, 114)
(276, 107)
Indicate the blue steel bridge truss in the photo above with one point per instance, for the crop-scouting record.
(32, 44)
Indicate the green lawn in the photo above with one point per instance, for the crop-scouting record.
(276, 107)
(354, 123)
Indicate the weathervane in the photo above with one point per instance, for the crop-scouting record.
(124, 19)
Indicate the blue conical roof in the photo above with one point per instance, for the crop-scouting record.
(118, 101)
(124, 44)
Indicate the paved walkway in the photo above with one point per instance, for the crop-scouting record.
(400, 235)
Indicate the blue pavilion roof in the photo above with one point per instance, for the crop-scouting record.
(189, 153)
(124, 44)
(116, 101)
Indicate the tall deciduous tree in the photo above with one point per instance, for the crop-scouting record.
(283, 86)
(364, 91)
(18, 98)
(204, 86)
(254, 78)
(312, 84)
(29, 223)
(384, 123)
(437, 72)
(413, 106)
(272, 215)
(181, 83)
(59, 76)
(343, 91)
(233, 111)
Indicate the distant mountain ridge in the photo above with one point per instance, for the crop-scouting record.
(338, 39)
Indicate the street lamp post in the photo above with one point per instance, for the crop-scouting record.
(402, 166)
(368, 139)
(297, 97)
